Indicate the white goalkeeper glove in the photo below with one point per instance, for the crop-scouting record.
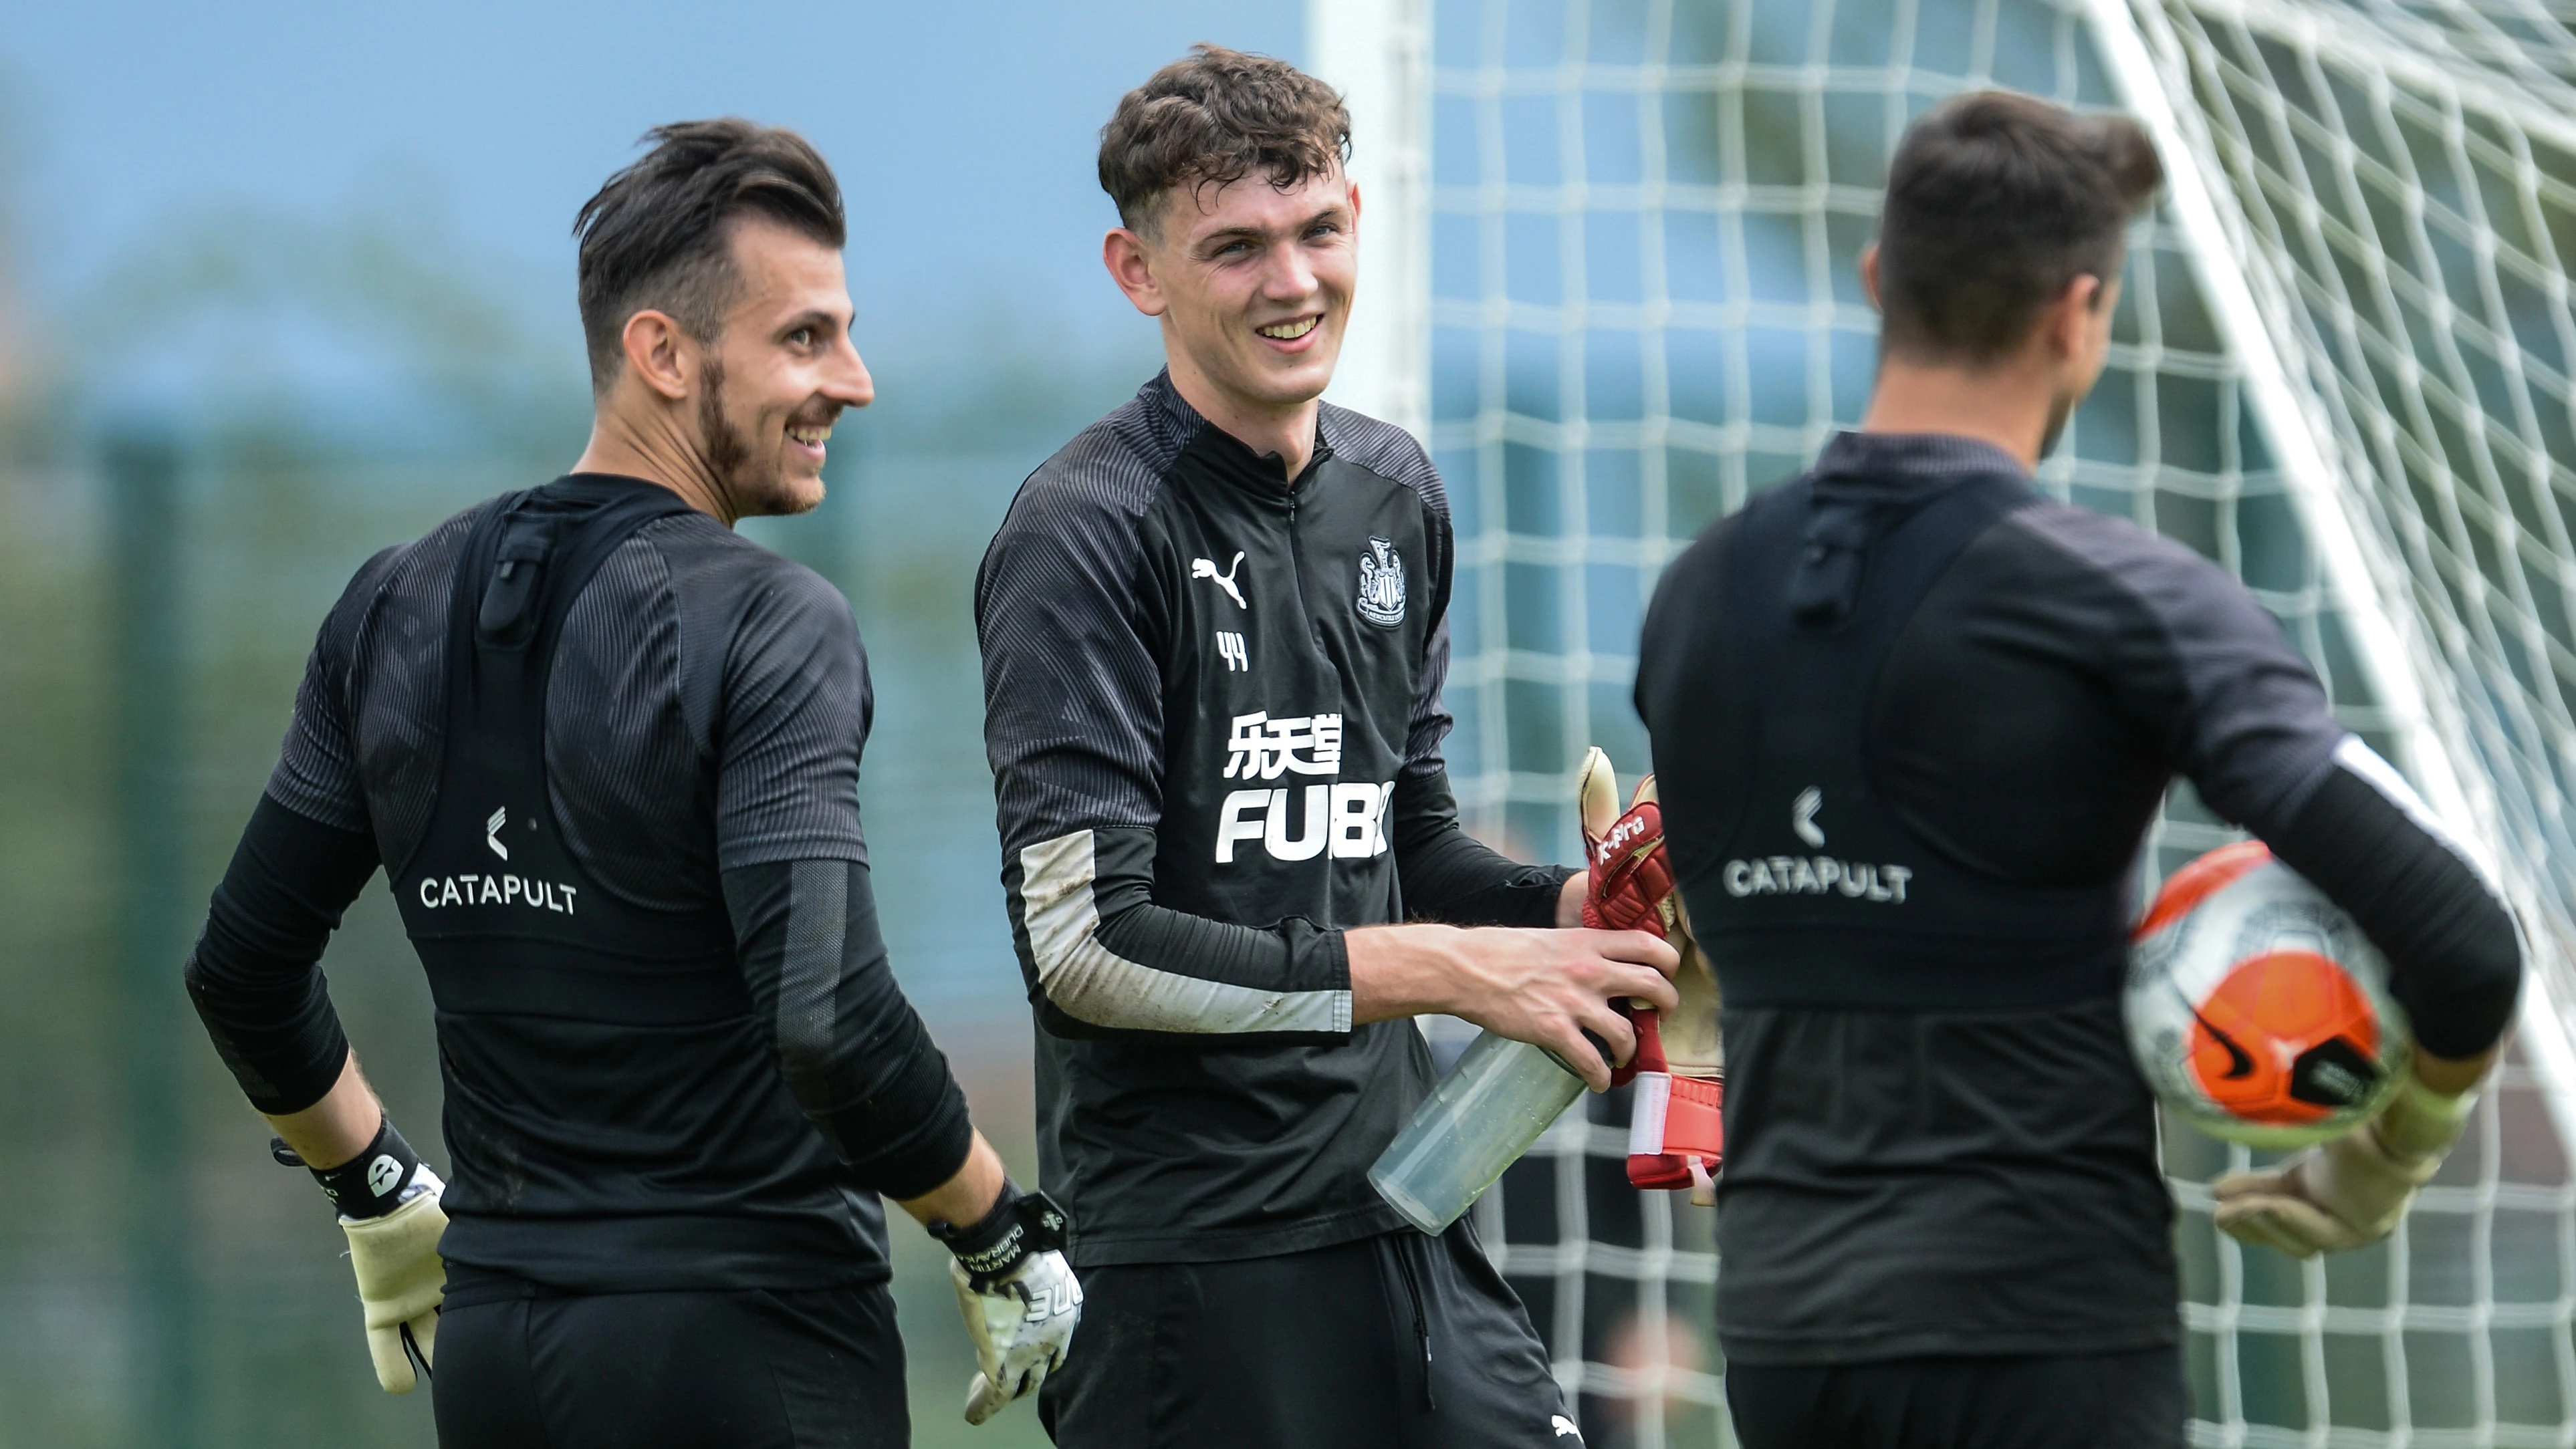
(1017, 1294)
(401, 1280)
(389, 1208)
(2351, 1191)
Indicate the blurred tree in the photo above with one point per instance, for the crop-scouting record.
(406, 336)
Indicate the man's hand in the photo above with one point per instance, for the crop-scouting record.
(389, 1209)
(1545, 987)
(401, 1280)
(1568, 990)
(1015, 1290)
(1559, 989)
(2351, 1191)
(1021, 1325)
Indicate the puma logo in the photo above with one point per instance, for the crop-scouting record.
(1564, 1426)
(1205, 568)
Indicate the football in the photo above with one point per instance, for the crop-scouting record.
(2257, 1008)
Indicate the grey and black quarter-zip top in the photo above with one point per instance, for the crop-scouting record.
(1212, 709)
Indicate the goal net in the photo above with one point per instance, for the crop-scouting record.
(1611, 249)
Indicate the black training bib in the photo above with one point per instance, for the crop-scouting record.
(615, 1114)
(502, 914)
(1803, 884)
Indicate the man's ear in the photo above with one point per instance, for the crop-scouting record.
(1130, 260)
(2074, 313)
(660, 353)
(1869, 276)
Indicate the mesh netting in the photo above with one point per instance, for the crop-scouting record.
(1645, 222)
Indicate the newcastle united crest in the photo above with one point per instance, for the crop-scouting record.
(1381, 598)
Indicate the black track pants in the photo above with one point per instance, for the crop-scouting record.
(2078, 1401)
(818, 1369)
(1322, 1349)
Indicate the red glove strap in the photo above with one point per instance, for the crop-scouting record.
(1693, 1127)
(1694, 1118)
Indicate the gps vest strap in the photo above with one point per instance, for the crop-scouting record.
(503, 915)
(1820, 893)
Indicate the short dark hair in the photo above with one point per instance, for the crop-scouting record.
(657, 235)
(1214, 117)
(1995, 202)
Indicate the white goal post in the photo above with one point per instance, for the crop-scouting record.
(1607, 250)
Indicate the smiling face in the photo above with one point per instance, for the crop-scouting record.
(777, 377)
(1253, 285)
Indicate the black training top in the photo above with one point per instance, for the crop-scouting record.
(1212, 707)
(1910, 722)
(610, 751)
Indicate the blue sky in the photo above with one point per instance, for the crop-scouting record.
(963, 133)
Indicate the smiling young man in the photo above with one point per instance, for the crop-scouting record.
(607, 753)
(1214, 643)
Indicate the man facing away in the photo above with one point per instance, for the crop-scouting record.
(1942, 1220)
(607, 754)
(1214, 642)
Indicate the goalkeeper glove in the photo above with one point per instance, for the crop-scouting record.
(389, 1208)
(1676, 1135)
(1017, 1293)
(2351, 1191)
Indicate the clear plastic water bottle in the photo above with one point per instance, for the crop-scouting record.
(1480, 1118)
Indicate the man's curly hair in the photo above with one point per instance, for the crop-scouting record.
(1212, 118)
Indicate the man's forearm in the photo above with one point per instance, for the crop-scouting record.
(255, 975)
(336, 1129)
(1411, 970)
(965, 1198)
(2451, 1076)
(865, 1071)
(1106, 957)
(2455, 959)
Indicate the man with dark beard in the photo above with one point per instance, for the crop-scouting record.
(607, 753)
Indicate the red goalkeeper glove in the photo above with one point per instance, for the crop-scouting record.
(1676, 1136)
(1631, 882)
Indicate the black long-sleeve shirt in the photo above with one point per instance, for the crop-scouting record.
(703, 722)
(1911, 721)
(1212, 708)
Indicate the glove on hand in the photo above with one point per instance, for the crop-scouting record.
(1676, 1136)
(1021, 1326)
(1630, 887)
(2351, 1191)
(1017, 1294)
(401, 1280)
(389, 1208)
